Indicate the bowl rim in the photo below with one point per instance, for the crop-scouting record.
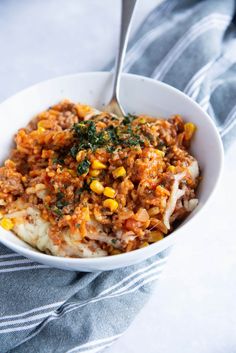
(160, 245)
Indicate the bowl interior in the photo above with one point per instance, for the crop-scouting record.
(138, 95)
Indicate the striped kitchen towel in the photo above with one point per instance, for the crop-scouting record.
(190, 45)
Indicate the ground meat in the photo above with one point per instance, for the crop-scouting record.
(10, 181)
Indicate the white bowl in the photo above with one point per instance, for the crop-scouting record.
(138, 95)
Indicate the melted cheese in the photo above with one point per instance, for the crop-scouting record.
(31, 228)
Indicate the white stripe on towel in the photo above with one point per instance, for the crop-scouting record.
(215, 20)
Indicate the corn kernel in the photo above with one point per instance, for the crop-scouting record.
(111, 204)
(94, 172)
(142, 121)
(83, 110)
(98, 165)
(97, 187)
(109, 192)
(155, 236)
(67, 217)
(40, 124)
(72, 172)
(41, 129)
(144, 245)
(171, 169)
(119, 172)
(160, 153)
(7, 223)
(86, 215)
(189, 129)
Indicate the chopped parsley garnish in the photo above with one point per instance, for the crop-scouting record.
(58, 160)
(133, 141)
(60, 195)
(74, 151)
(85, 187)
(61, 202)
(128, 119)
(87, 137)
(161, 145)
(56, 211)
(83, 167)
(79, 191)
(110, 148)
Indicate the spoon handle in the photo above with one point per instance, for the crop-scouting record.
(126, 17)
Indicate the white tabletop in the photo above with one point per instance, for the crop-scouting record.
(193, 307)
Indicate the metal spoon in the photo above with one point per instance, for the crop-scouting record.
(127, 11)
